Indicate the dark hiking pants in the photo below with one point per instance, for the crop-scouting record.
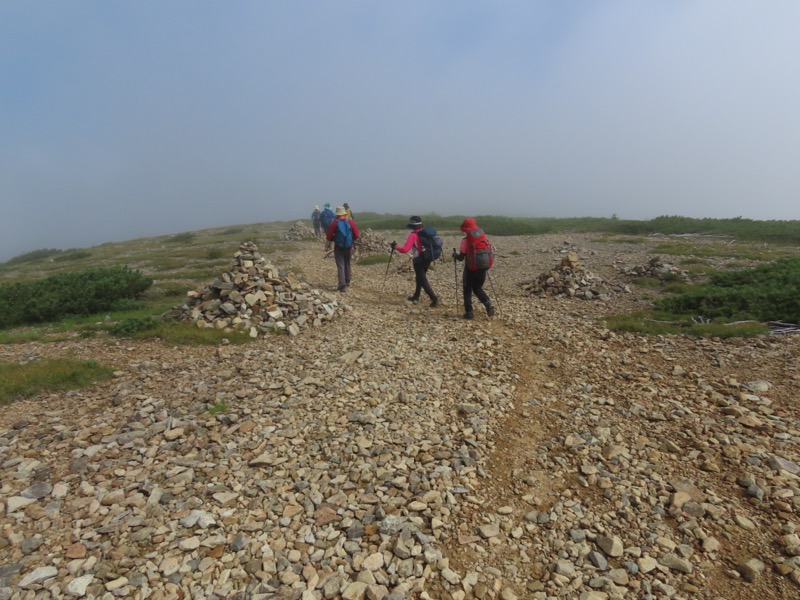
(421, 278)
(473, 284)
(342, 258)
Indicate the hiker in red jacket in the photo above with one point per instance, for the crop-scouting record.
(478, 257)
(421, 266)
(342, 233)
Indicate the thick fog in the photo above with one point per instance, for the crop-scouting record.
(121, 120)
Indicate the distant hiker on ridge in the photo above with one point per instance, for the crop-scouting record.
(420, 259)
(342, 233)
(315, 218)
(326, 217)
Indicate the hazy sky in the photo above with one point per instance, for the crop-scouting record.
(121, 120)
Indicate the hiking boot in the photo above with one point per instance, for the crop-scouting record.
(341, 288)
(435, 302)
(490, 310)
(469, 315)
(413, 298)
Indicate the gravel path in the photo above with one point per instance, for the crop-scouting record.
(400, 451)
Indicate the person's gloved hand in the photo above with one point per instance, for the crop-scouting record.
(455, 255)
(393, 245)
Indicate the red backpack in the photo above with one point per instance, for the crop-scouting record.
(480, 255)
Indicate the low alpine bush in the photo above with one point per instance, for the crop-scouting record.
(769, 292)
(67, 294)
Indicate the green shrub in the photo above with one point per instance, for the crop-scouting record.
(214, 254)
(48, 375)
(126, 305)
(71, 293)
(769, 292)
(133, 325)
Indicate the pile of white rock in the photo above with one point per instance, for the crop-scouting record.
(253, 296)
(655, 267)
(370, 243)
(299, 231)
(570, 278)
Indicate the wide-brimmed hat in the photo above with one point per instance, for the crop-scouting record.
(346, 205)
(316, 207)
(340, 211)
(327, 205)
(414, 222)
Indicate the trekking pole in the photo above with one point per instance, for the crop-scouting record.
(491, 283)
(455, 273)
(387, 271)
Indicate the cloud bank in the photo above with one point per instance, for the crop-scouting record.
(123, 120)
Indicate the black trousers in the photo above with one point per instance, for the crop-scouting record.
(473, 284)
(421, 278)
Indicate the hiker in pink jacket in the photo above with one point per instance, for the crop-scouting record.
(414, 245)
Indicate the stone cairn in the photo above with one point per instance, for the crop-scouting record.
(371, 243)
(255, 298)
(368, 243)
(655, 267)
(570, 279)
(299, 231)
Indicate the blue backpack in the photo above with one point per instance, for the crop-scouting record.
(326, 218)
(431, 244)
(344, 234)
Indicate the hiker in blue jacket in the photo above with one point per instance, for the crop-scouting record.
(326, 217)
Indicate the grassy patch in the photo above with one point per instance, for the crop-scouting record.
(374, 259)
(72, 255)
(182, 238)
(657, 323)
(699, 269)
(218, 407)
(22, 336)
(719, 250)
(232, 231)
(206, 274)
(33, 256)
(620, 240)
(165, 291)
(48, 375)
(173, 332)
(647, 282)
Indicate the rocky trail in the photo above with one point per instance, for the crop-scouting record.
(399, 451)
